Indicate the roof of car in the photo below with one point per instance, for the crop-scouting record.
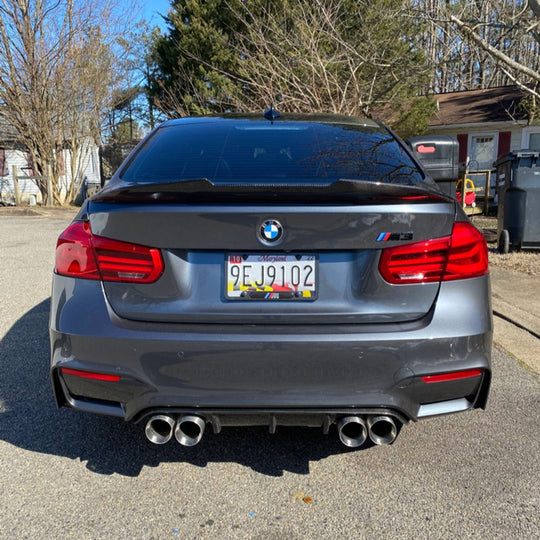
(285, 117)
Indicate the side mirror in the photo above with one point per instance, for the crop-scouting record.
(439, 156)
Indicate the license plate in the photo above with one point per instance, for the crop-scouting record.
(271, 277)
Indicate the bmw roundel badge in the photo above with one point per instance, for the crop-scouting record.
(270, 231)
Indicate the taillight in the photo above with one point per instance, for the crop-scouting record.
(459, 256)
(468, 254)
(74, 254)
(122, 261)
(81, 254)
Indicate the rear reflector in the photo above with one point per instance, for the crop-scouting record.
(459, 256)
(454, 376)
(81, 254)
(90, 375)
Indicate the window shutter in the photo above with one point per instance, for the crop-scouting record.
(61, 162)
(463, 140)
(30, 164)
(504, 143)
(3, 171)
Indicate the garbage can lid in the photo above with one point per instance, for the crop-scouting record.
(518, 154)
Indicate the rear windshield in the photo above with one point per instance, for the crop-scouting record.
(230, 152)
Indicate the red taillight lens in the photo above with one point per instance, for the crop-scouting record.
(74, 254)
(421, 262)
(81, 254)
(122, 261)
(459, 256)
(468, 254)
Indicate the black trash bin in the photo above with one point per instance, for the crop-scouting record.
(518, 186)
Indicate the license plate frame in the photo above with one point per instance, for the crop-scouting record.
(271, 277)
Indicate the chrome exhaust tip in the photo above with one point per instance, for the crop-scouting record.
(189, 430)
(159, 429)
(382, 429)
(352, 431)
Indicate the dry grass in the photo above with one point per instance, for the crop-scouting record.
(527, 262)
(484, 222)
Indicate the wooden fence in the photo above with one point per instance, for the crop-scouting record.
(17, 177)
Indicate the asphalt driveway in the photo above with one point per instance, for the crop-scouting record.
(65, 474)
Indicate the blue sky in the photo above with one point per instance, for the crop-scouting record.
(152, 9)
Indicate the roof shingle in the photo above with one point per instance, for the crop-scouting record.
(500, 104)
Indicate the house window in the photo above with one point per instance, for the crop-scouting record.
(530, 138)
(483, 151)
(534, 141)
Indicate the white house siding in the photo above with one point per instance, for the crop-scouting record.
(27, 187)
(88, 168)
(88, 165)
(515, 143)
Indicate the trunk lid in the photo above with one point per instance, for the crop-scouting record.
(341, 226)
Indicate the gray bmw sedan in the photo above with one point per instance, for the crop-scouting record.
(271, 270)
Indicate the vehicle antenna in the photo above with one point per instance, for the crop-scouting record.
(272, 114)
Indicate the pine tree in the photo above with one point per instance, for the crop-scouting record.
(196, 60)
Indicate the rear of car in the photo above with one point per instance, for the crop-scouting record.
(243, 271)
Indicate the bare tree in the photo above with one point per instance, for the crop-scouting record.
(56, 78)
(337, 56)
(483, 44)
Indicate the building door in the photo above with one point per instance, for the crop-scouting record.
(483, 152)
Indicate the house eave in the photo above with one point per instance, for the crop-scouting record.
(480, 125)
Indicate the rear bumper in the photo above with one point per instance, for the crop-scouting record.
(243, 374)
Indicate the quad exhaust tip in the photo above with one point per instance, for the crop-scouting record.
(159, 429)
(382, 429)
(352, 431)
(189, 430)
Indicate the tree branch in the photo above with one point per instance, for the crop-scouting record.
(505, 59)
